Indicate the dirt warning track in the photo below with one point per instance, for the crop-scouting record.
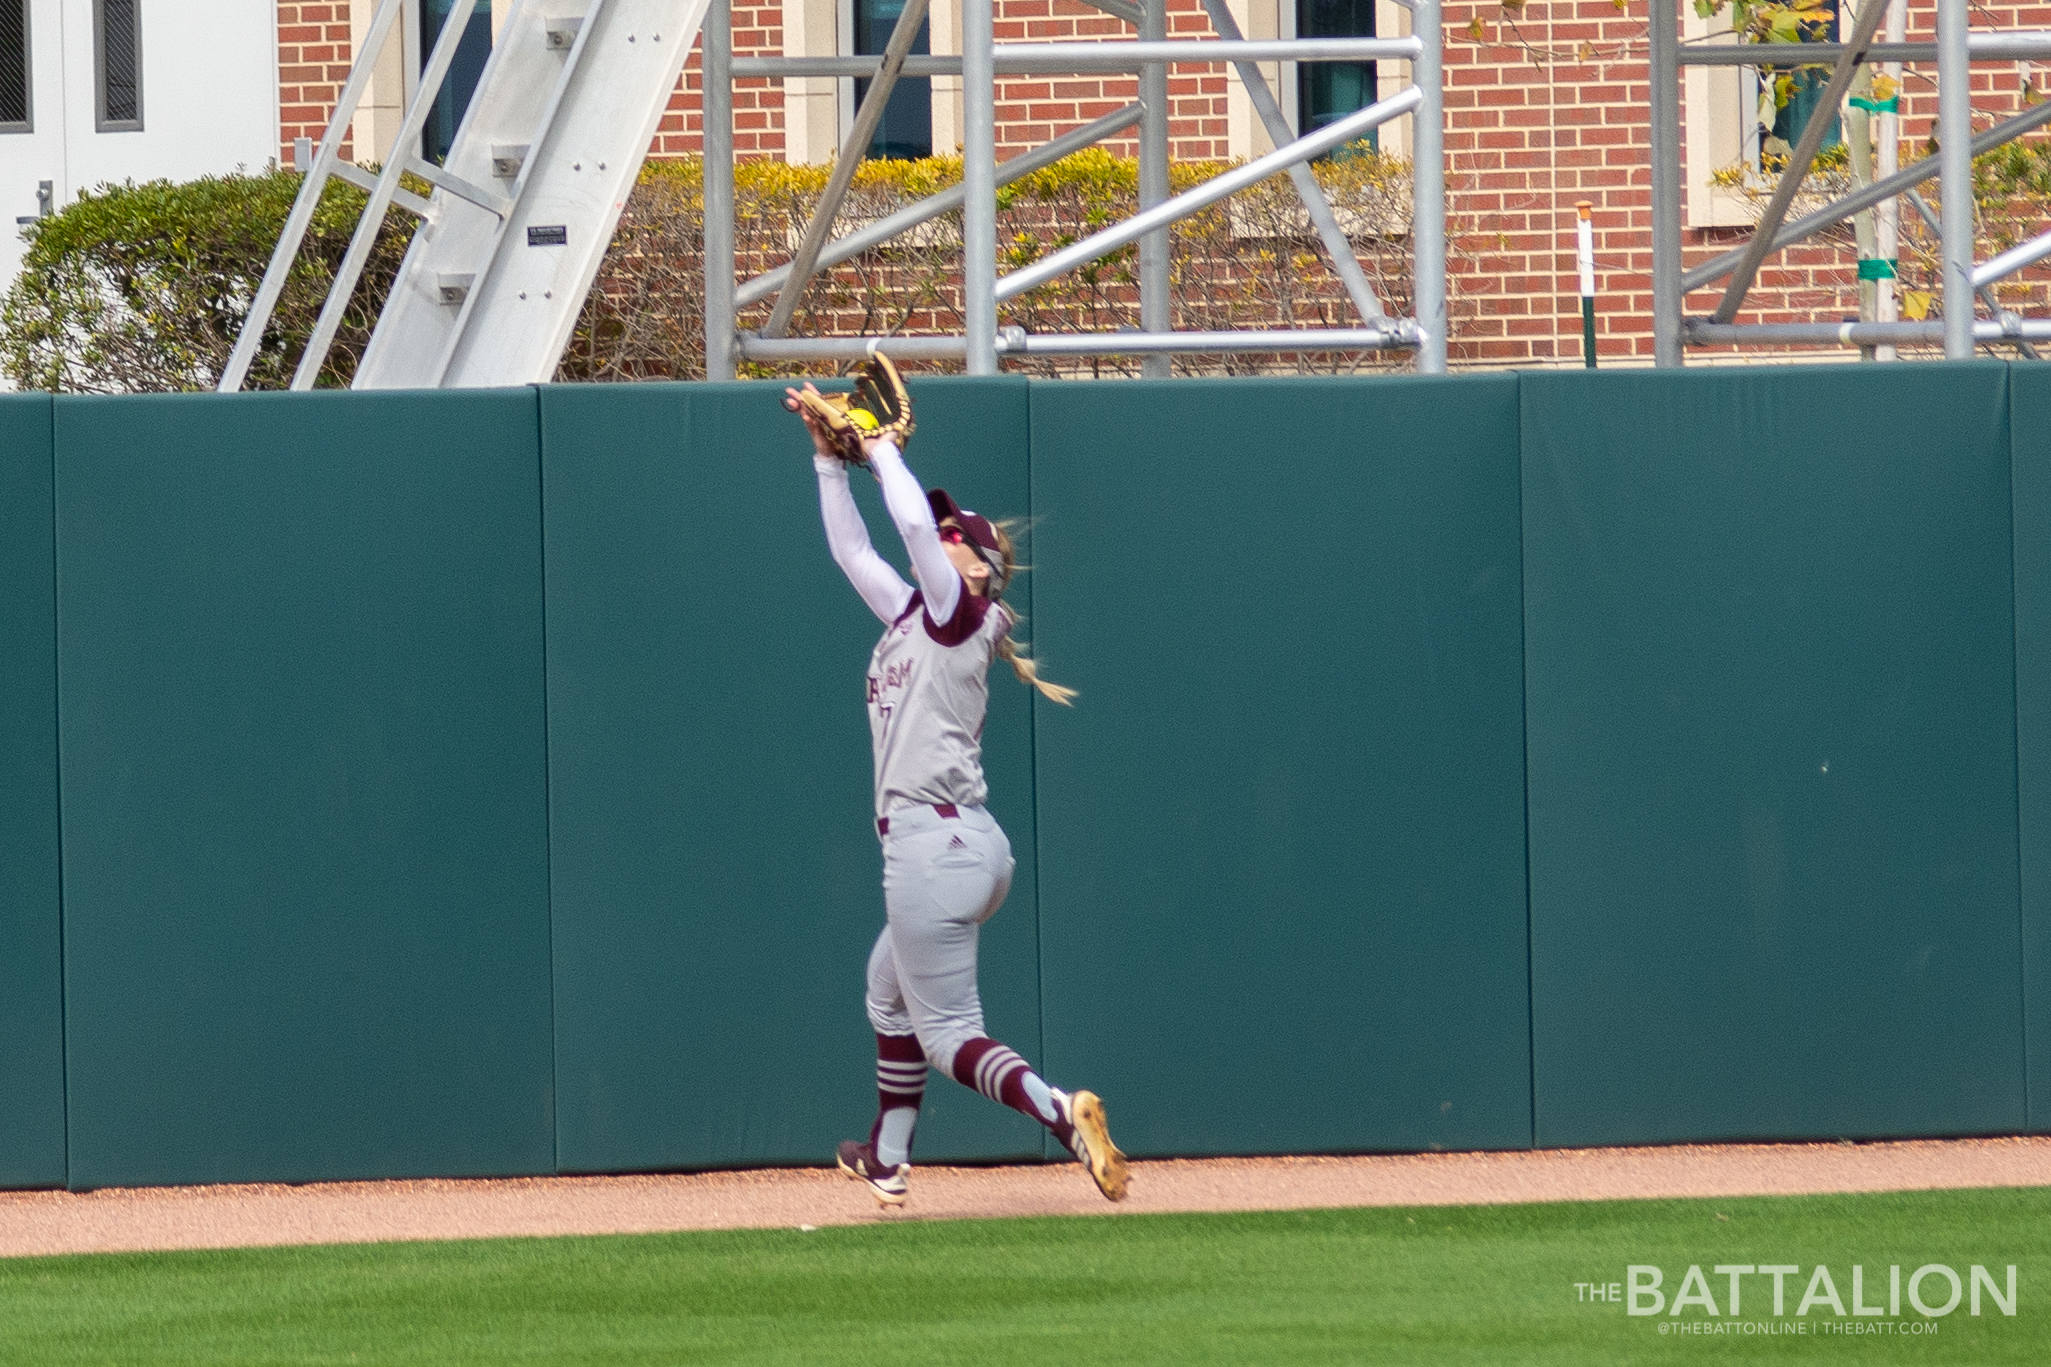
(124, 1219)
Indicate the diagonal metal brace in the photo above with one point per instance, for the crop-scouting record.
(343, 287)
(327, 163)
(1811, 141)
(851, 155)
(1838, 210)
(1200, 197)
(1337, 245)
(947, 201)
(1985, 289)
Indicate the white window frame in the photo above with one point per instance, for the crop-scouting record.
(812, 117)
(1722, 129)
(1264, 20)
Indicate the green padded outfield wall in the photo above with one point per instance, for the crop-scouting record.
(716, 873)
(1282, 829)
(2030, 426)
(31, 952)
(305, 855)
(1771, 725)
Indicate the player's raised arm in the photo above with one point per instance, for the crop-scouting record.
(906, 500)
(847, 535)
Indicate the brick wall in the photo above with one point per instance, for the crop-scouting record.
(1545, 105)
(314, 54)
(1030, 109)
(1550, 106)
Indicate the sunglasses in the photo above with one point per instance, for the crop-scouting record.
(955, 535)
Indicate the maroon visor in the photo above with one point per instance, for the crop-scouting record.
(981, 534)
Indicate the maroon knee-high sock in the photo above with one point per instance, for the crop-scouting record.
(900, 1088)
(1000, 1074)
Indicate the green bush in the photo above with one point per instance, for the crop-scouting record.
(144, 287)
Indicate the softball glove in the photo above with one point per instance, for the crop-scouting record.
(879, 406)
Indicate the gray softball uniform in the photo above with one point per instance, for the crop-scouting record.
(947, 864)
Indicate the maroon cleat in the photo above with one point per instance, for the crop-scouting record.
(858, 1160)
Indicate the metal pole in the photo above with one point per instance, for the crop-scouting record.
(2011, 329)
(1390, 333)
(316, 171)
(2014, 259)
(1154, 302)
(343, 288)
(1201, 197)
(852, 153)
(947, 201)
(1667, 295)
(1337, 245)
(1858, 140)
(1799, 161)
(979, 186)
(1955, 176)
(1904, 180)
(1887, 236)
(1983, 276)
(1428, 178)
(719, 192)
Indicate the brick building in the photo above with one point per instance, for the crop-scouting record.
(1546, 104)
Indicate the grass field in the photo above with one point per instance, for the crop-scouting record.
(1492, 1285)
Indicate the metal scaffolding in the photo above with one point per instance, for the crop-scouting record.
(982, 59)
(1954, 51)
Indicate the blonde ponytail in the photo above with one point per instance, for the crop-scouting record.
(1022, 664)
(1029, 673)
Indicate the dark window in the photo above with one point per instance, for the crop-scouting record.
(472, 49)
(907, 127)
(14, 85)
(1804, 100)
(1326, 91)
(117, 31)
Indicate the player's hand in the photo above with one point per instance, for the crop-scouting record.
(822, 443)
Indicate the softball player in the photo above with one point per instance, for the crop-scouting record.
(946, 863)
